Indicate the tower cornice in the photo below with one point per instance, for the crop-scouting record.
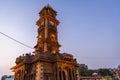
(48, 17)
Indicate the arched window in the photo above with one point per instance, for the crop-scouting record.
(53, 38)
(60, 76)
(70, 76)
(73, 74)
(46, 77)
(64, 76)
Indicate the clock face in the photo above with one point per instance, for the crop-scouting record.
(53, 51)
(53, 37)
(40, 36)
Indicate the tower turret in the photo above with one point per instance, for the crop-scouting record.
(47, 31)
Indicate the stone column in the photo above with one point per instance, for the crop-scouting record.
(68, 74)
(39, 69)
(15, 75)
(57, 72)
(74, 76)
(77, 74)
(62, 74)
(46, 34)
(71, 74)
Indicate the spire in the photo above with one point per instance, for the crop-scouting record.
(47, 9)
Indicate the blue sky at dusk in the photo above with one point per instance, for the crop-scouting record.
(89, 30)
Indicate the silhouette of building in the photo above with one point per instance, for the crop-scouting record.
(5, 77)
(47, 63)
(84, 66)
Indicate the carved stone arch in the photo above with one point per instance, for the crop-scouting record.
(73, 73)
(64, 75)
(60, 73)
(70, 74)
(46, 77)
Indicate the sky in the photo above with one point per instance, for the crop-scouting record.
(89, 30)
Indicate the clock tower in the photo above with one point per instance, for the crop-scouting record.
(47, 63)
(47, 31)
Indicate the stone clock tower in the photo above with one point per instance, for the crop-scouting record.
(47, 63)
(47, 32)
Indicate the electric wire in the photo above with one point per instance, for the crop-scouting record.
(16, 40)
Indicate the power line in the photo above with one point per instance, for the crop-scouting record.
(16, 41)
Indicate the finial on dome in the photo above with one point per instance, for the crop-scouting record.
(48, 5)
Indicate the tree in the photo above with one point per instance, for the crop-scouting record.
(82, 71)
(85, 72)
(104, 72)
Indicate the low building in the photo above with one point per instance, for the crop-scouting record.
(94, 76)
(5, 77)
(90, 78)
